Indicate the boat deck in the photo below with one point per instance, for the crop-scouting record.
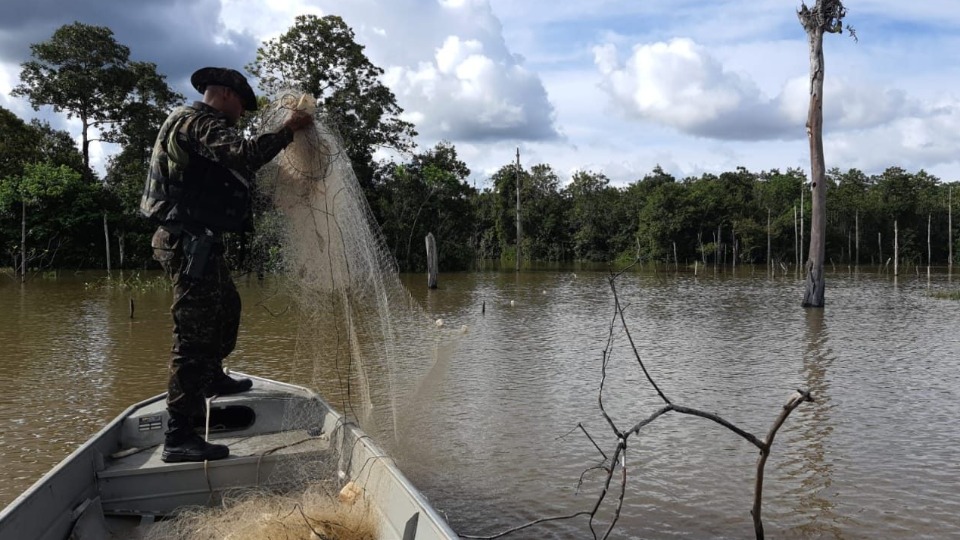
(145, 460)
(280, 436)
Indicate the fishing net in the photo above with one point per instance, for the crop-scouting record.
(362, 342)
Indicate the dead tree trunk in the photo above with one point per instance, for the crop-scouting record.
(121, 244)
(519, 233)
(106, 239)
(825, 16)
(769, 259)
(880, 248)
(431, 261)
(800, 261)
(896, 249)
(796, 239)
(857, 217)
(23, 240)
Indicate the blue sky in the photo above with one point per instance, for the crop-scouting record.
(612, 86)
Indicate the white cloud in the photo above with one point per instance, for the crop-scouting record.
(929, 138)
(445, 60)
(607, 85)
(463, 93)
(675, 83)
(680, 84)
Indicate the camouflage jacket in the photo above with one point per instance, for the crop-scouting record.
(201, 170)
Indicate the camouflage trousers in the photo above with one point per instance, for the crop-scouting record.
(206, 319)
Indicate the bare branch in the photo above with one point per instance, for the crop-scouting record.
(794, 401)
(651, 418)
(619, 454)
(710, 416)
(525, 525)
(636, 353)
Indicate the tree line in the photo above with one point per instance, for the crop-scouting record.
(56, 212)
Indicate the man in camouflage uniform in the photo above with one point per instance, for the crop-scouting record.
(198, 187)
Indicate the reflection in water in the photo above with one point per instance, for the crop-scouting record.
(814, 512)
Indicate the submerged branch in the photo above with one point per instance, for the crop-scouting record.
(795, 400)
(524, 526)
(619, 454)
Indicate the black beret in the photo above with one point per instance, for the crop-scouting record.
(230, 78)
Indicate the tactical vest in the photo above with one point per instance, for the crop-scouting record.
(186, 189)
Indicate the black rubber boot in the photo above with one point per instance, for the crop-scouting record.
(184, 444)
(224, 385)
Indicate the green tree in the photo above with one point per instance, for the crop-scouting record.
(778, 197)
(591, 199)
(319, 55)
(504, 207)
(428, 194)
(83, 71)
(543, 214)
(907, 199)
(742, 219)
(35, 143)
(18, 144)
(850, 217)
(40, 186)
(663, 221)
(144, 109)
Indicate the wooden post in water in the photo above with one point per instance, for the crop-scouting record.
(717, 254)
(23, 239)
(769, 260)
(431, 261)
(896, 249)
(880, 248)
(796, 238)
(802, 187)
(857, 218)
(518, 209)
(950, 229)
(849, 249)
(733, 239)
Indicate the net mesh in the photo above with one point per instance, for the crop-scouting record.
(362, 342)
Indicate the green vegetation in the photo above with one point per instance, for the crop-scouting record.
(134, 282)
(52, 205)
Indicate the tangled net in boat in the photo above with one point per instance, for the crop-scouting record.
(311, 514)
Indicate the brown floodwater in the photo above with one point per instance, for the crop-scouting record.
(491, 436)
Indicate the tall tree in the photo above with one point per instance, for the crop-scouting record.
(591, 200)
(319, 55)
(826, 16)
(428, 194)
(543, 215)
(84, 72)
(143, 111)
(81, 71)
(17, 145)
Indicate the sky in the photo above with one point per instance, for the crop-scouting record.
(610, 86)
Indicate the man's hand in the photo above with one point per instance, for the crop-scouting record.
(298, 120)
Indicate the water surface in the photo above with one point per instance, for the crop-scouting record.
(492, 439)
